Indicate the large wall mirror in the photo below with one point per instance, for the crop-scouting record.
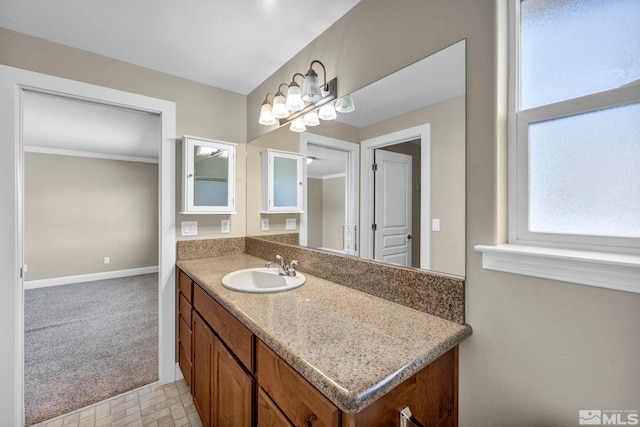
(387, 180)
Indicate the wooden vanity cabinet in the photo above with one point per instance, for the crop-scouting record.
(223, 384)
(238, 381)
(184, 325)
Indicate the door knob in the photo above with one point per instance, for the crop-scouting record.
(409, 237)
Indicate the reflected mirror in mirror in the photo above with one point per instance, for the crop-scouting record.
(409, 208)
(211, 166)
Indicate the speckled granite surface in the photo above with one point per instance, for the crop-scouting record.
(352, 346)
(288, 238)
(205, 248)
(438, 294)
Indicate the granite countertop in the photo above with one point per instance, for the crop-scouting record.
(352, 346)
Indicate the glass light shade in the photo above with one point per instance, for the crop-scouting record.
(294, 98)
(311, 118)
(345, 104)
(266, 115)
(310, 88)
(279, 109)
(327, 112)
(297, 125)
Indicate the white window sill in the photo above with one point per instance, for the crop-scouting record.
(604, 270)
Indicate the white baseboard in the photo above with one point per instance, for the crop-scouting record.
(56, 281)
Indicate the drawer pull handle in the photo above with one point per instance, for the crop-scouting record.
(407, 419)
(311, 419)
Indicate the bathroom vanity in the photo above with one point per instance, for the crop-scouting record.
(319, 355)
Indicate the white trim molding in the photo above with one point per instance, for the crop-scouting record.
(67, 280)
(605, 270)
(75, 153)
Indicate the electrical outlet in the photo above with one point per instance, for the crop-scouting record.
(189, 228)
(290, 224)
(106, 260)
(224, 226)
(264, 224)
(435, 225)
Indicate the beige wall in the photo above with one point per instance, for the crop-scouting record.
(78, 210)
(541, 349)
(333, 208)
(201, 110)
(314, 212)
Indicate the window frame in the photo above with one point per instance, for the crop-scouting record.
(611, 263)
(518, 163)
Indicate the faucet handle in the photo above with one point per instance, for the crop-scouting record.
(279, 258)
(292, 270)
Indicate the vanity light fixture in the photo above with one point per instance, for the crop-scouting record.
(302, 108)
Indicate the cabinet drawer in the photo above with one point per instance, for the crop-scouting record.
(185, 285)
(185, 310)
(234, 334)
(298, 399)
(184, 336)
(268, 413)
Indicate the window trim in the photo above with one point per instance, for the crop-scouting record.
(607, 262)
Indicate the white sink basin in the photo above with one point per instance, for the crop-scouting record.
(261, 281)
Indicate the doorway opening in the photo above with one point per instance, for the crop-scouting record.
(330, 218)
(91, 247)
(14, 82)
(395, 197)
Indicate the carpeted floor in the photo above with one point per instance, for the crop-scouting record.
(86, 342)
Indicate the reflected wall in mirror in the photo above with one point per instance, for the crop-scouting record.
(411, 210)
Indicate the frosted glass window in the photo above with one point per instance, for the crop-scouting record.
(584, 173)
(570, 48)
(285, 180)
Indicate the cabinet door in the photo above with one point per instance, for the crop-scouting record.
(233, 391)
(203, 358)
(208, 176)
(268, 413)
(282, 175)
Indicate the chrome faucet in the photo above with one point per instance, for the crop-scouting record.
(283, 269)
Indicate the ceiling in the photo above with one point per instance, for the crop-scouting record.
(230, 44)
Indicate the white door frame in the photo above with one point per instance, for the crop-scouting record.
(12, 82)
(351, 196)
(423, 132)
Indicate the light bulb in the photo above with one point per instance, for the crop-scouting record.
(297, 125)
(280, 110)
(311, 118)
(327, 112)
(266, 115)
(345, 104)
(294, 100)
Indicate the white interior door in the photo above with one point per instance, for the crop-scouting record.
(392, 183)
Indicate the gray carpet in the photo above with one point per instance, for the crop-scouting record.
(86, 342)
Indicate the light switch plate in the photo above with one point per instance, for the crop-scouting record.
(189, 228)
(290, 224)
(435, 225)
(265, 224)
(224, 226)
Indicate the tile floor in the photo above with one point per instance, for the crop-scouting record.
(155, 405)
